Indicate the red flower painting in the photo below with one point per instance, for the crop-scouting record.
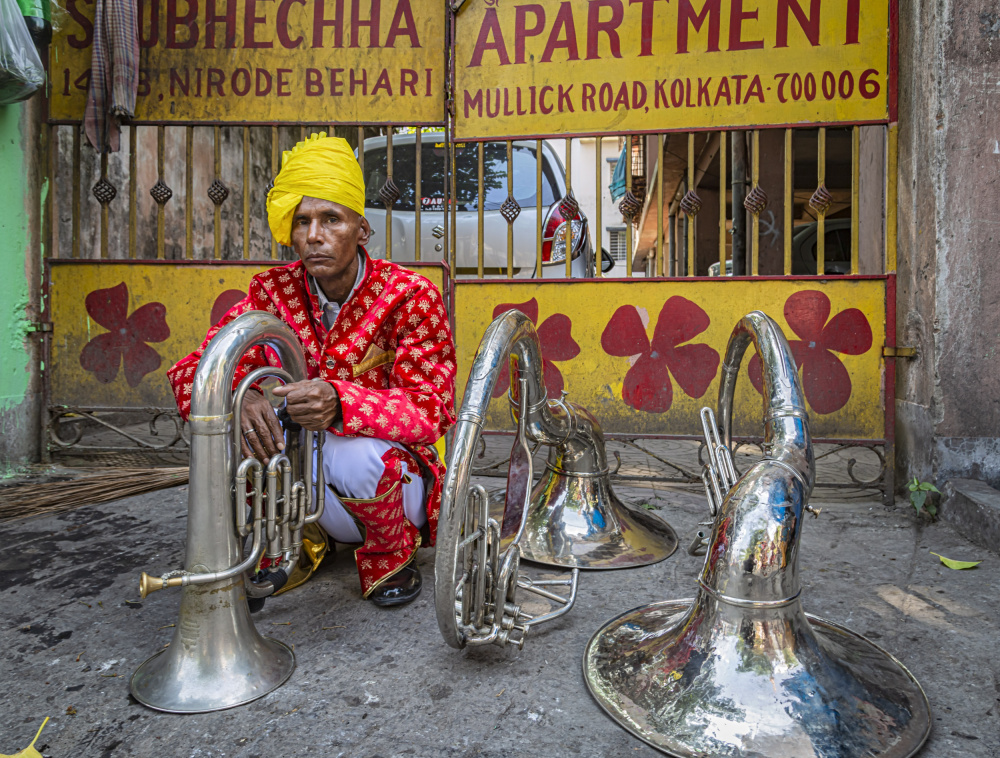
(825, 380)
(555, 335)
(223, 303)
(126, 338)
(647, 384)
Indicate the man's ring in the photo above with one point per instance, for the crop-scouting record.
(249, 431)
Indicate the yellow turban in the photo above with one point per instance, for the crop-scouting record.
(321, 167)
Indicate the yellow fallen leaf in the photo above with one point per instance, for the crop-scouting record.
(30, 752)
(957, 565)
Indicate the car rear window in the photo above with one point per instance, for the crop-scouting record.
(466, 176)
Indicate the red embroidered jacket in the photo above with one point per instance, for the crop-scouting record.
(390, 356)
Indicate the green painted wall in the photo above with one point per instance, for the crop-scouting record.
(15, 352)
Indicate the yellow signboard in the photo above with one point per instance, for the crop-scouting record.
(118, 326)
(644, 357)
(554, 67)
(281, 61)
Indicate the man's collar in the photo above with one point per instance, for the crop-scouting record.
(321, 296)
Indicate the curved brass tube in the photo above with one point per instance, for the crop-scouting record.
(762, 513)
(510, 337)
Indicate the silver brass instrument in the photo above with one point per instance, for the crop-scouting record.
(571, 519)
(741, 670)
(718, 475)
(217, 659)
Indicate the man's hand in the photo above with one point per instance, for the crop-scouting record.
(313, 404)
(262, 434)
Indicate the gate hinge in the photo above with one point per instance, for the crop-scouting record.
(39, 326)
(899, 352)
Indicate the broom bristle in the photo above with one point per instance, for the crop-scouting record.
(37, 498)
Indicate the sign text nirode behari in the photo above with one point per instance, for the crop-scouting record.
(269, 61)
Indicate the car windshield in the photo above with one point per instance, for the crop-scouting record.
(466, 176)
(838, 246)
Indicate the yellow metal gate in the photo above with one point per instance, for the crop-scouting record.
(756, 169)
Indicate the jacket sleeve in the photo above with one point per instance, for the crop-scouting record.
(418, 407)
(181, 374)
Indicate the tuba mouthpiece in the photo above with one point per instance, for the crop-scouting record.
(149, 584)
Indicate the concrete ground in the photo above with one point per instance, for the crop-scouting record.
(382, 683)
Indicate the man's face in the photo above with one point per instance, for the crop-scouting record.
(326, 236)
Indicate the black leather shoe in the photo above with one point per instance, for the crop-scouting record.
(399, 589)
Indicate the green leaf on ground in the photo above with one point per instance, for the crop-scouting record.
(957, 565)
(648, 507)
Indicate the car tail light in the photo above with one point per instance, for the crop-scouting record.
(554, 236)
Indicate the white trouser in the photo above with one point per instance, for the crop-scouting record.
(353, 467)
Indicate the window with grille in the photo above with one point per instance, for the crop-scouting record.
(617, 243)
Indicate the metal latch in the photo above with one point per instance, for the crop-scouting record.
(899, 352)
(39, 326)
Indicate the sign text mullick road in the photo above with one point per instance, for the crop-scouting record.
(269, 61)
(558, 67)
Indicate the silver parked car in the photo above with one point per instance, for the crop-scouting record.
(837, 255)
(432, 217)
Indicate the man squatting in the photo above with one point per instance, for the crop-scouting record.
(379, 338)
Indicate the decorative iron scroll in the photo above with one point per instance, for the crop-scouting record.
(164, 425)
(837, 473)
(161, 431)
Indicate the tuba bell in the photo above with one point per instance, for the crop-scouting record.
(742, 671)
(571, 518)
(217, 658)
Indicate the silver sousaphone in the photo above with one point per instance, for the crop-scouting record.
(742, 671)
(571, 519)
(217, 659)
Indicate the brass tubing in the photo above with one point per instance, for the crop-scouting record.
(569, 222)
(189, 192)
(132, 192)
(723, 232)
(161, 222)
(891, 195)
(388, 206)
(821, 216)
(76, 194)
(246, 192)
(789, 201)
(418, 196)
(538, 209)
(275, 166)
(599, 186)
(628, 222)
(855, 198)
(479, 207)
(659, 206)
(510, 225)
(690, 219)
(755, 226)
(104, 210)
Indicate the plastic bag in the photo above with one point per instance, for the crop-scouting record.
(21, 72)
